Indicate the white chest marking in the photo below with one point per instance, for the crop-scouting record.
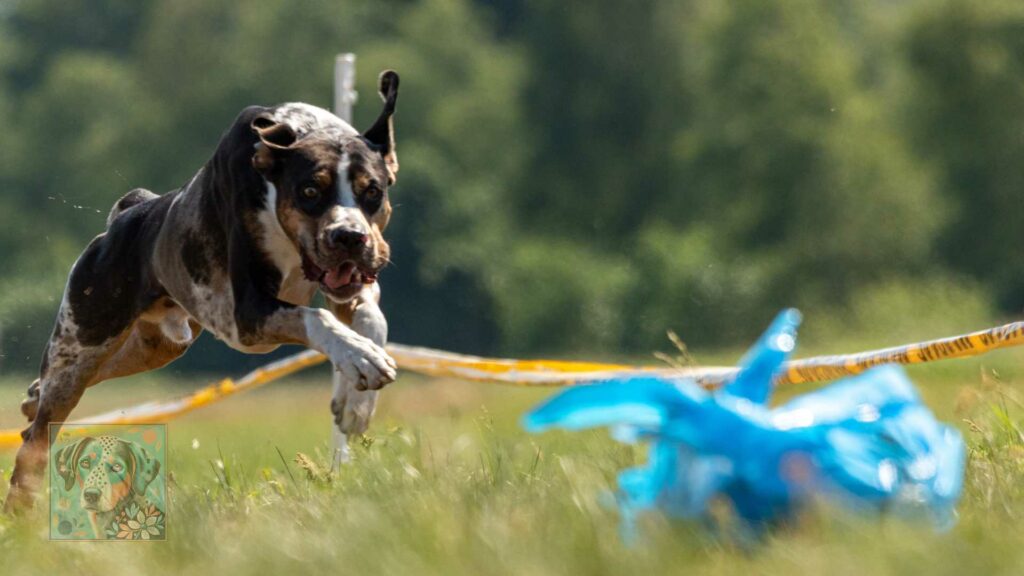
(274, 241)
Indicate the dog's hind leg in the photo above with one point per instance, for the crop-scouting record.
(67, 370)
(351, 403)
(91, 325)
(70, 368)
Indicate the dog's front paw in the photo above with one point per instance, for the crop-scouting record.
(362, 362)
(352, 409)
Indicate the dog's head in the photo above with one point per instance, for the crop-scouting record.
(107, 469)
(330, 195)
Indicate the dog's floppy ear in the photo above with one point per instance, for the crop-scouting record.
(145, 469)
(382, 134)
(66, 460)
(275, 139)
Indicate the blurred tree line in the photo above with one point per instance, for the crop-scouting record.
(575, 177)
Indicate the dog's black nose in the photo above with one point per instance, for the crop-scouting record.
(91, 495)
(348, 238)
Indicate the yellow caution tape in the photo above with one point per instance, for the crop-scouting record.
(534, 373)
(822, 368)
(560, 373)
(162, 411)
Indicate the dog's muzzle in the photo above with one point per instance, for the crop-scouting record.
(347, 278)
(91, 498)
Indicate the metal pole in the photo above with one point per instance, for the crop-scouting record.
(344, 98)
(345, 95)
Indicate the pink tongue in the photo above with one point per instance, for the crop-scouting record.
(341, 276)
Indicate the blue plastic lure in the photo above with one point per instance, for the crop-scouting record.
(867, 441)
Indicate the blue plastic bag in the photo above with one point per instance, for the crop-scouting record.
(867, 441)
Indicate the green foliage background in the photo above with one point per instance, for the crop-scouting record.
(575, 176)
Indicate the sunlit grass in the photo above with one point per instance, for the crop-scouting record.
(447, 483)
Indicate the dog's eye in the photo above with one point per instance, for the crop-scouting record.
(116, 467)
(84, 464)
(310, 192)
(371, 193)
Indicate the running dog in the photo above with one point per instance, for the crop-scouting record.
(293, 200)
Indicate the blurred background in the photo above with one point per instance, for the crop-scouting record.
(576, 179)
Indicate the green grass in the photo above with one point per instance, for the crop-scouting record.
(447, 483)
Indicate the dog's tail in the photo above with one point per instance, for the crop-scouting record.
(136, 196)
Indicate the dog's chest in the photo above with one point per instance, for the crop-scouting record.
(296, 289)
(279, 249)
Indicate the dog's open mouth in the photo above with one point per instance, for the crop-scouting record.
(345, 276)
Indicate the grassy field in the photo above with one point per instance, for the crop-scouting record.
(447, 483)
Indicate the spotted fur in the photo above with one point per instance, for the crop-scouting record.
(292, 200)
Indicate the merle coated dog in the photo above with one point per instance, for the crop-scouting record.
(293, 200)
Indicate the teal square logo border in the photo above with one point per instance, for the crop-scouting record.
(124, 469)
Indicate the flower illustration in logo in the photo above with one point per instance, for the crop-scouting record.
(137, 523)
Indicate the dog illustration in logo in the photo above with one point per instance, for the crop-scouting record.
(111, 474)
